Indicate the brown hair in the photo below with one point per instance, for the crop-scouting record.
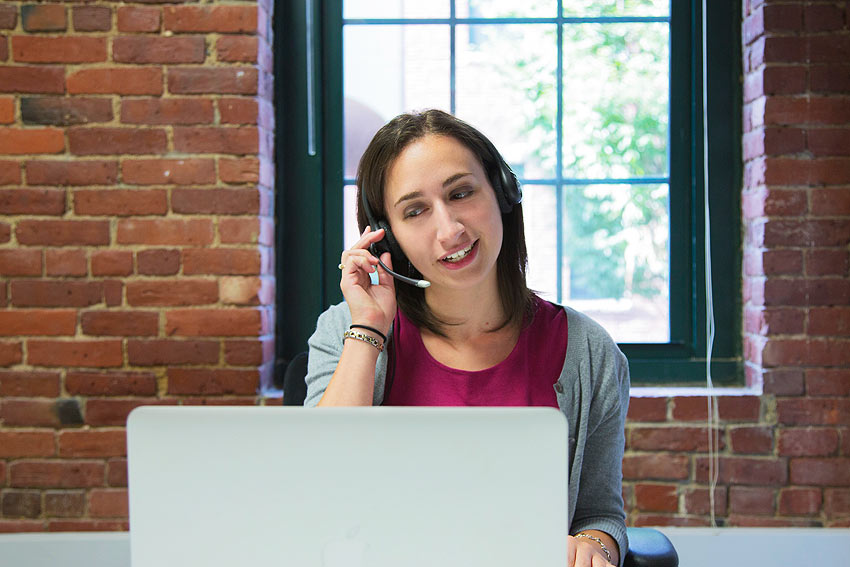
(387, 144)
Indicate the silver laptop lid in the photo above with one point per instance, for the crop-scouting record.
(347, 487)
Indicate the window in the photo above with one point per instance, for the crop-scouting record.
(596, 104)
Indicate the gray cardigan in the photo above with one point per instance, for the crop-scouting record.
(592, 392)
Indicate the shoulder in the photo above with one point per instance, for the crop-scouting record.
(334, 318)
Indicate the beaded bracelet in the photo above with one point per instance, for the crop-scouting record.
(368, 328)
(363, 337)
(597, 540)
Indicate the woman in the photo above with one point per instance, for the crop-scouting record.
(445, 203)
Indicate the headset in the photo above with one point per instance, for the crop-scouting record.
(508, 193)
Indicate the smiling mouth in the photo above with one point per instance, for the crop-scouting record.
(460, 254)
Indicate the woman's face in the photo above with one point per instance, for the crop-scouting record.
(444, 213)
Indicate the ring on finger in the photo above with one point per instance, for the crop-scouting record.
(341, 266)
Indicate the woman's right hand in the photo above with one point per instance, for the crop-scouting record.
(372, 305)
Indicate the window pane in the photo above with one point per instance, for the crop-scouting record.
(616, 102)
(395, 9)
(616, 255)
(350, 232)
(506, 87)
(539, 210)
(506, 9)
(590, 8)
(389, 70)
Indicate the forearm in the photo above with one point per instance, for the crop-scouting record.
(353, 381)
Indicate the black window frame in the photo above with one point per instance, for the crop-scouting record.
(309, 181)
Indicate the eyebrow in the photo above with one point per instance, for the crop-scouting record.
(416, 194)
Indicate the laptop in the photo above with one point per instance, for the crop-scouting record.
(347, 487)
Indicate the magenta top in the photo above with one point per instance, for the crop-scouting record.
(525, 378)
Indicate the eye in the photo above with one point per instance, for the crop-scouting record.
(461, 194)
(414, 211)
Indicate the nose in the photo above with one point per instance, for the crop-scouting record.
(449, 227)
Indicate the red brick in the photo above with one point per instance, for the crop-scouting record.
(121, 202)
(661, 466)
(782, 17)
(238, 110)
(671, 438)
(168, 171)
(657, 519)
(805, 352)
(172, 292)
(44, 18)
(105, 412)
(32, 201)
(5, 236)
(813, 411)
(233, 140)
(827, 262)
(20, 262)
(832, 110)
(10, 172)
(16, 444)
(91, 141)
(116, 80)
(830, 321)
(92, 443)
(836, 502)
(30, 322)
(170, 352)
(116, 472)
(63, 232)
(656, 497)
(108, 503)
(7, 110)
(784, 382)
(66, 262)
(111, 383)
(32, 79)
(11, 353)
(86, 525)
(823, 17)
(221, 261)
(239, 322)
(73, 172)
(158, 49)
(28, 383)
(225, 80)
(828, 382)
(20, 503)
(83, 353)
(831, 202)
(237, 49)
(8, 17)
(29, 413)
(821, 472)
(17, 141)
(745, 470)
(92, 18)
(139, 19)
(111, 263)
(65, 49)
(190, 232)
(113, 292)
(828, 142)
(808, 442)
(56, 474)
(158, 262)
(64, 503)
(216, 201)
(783, 321)
(246, 291)
(697, 500)
(749, 500)
(248, 352)
(222, 19)
(647, 409)
(730, 408)
(167, 111)
(800, 501)
(832, 48)
(751, 440)
(4, 49)
(784, 80)
(120, 323)
(246, 231)
(212, 382)
(240, 170)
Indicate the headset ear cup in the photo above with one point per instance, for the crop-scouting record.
(399, 259)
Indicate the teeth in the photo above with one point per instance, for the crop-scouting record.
(459, 254)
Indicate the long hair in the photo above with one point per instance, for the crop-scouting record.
(387, 144)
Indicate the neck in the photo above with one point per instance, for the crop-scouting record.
(470, 312)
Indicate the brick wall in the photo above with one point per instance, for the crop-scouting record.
(135, 259)
(785, 455)
(136, 232)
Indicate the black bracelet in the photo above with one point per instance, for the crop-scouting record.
(376, 331)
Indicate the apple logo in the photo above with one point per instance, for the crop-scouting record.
(346, 552)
